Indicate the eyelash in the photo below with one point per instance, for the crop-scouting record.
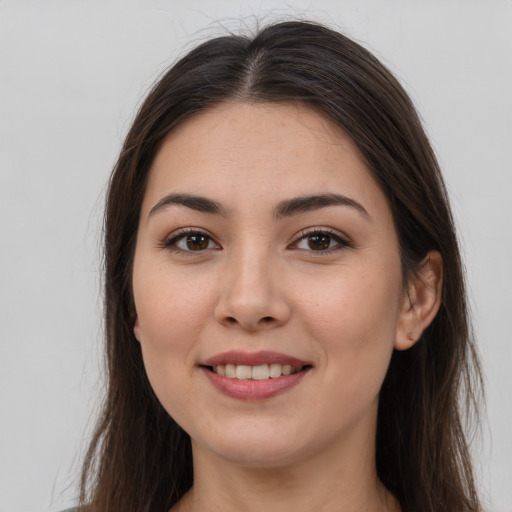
(171, 243)
(340, 242)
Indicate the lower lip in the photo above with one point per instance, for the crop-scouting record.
(254, 389)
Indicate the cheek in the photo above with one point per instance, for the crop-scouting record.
(171, 307)
(171, 312)
(354, 305)
(354, 321)
(167, 331)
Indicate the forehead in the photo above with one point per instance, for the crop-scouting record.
(260, 152)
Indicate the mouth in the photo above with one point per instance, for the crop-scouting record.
(257, 372)
(254, 376)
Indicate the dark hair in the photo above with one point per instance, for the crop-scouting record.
(139, 458)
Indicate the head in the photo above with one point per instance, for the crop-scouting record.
(419, 440)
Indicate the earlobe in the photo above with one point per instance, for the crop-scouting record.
(136, 329)
(421, 301)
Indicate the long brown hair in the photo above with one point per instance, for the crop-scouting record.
(139, 459)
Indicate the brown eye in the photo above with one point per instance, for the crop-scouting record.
(324, 241)
(190, 241)
(319, 242)
(197, 242)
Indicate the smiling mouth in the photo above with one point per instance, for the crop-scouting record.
(258, 372)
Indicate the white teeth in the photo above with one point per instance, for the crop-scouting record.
(286, 369)
(258, 372)
(231, 371)
(274, 370)
(243, 371)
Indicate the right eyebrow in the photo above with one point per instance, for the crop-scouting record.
(315, 202)
(198, 203)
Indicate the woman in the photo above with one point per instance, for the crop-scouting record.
(286, 316)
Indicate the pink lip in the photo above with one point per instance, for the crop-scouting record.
(253, 359)
(254, 389)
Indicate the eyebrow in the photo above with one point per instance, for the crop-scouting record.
(198, 203)
(315, 202)
(285, 208)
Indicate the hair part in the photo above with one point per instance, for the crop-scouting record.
(139, 458)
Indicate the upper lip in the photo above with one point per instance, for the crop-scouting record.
(253, 359)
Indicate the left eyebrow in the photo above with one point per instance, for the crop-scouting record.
(198, 203)
(315, 202)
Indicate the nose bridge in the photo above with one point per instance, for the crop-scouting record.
(251, 294)
(248, 275)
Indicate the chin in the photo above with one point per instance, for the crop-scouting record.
(258, 455)
(257, 445)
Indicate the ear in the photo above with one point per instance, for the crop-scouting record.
(136, 329)
(421, 301)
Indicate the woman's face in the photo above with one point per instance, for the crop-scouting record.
(267, 285)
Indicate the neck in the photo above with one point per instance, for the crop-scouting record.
(341, 477)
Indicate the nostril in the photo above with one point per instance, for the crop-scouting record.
(231, 320)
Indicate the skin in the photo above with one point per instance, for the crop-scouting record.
(258, 285)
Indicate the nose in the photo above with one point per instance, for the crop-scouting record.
(251, 296)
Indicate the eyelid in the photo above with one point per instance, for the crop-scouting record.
(342, 240)
(169, 243)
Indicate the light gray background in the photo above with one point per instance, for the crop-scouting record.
(71, 74)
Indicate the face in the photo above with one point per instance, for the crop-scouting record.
(267, 284)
